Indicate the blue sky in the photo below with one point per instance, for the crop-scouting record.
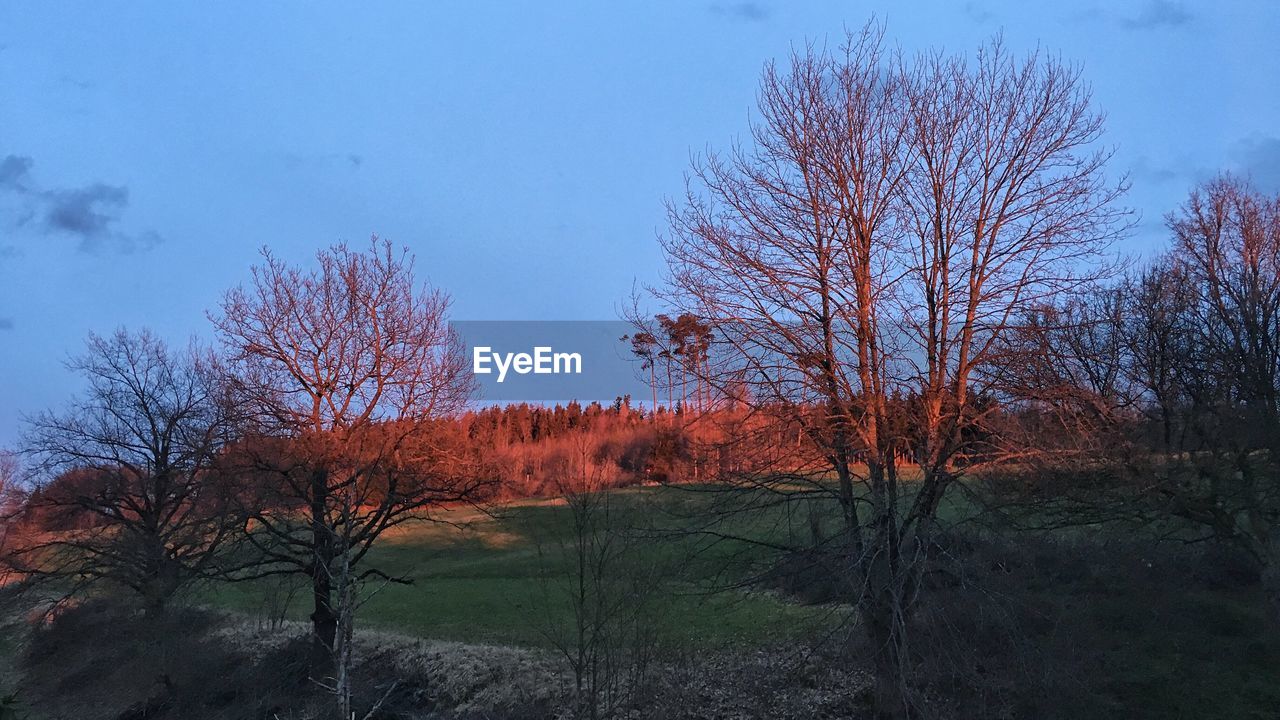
(522, 150)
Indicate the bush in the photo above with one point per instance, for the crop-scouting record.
(1063, 624)
(144, 666)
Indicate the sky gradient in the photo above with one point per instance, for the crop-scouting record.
(522, 150)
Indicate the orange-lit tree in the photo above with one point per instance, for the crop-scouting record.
(342, 366)
(889, 223)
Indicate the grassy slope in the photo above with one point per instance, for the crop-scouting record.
(1169, 646)
(487, 579)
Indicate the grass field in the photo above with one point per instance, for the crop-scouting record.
(1170, 642)
(497, 577)
(1152, 629)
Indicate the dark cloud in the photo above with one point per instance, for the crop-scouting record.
(750, 11)
(976, 12)
(89, 213)
(14, 172)
(1259, 158)
(1158, 14)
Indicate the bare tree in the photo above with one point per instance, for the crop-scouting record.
(1158, 334)
(11, 503)
(1008, 208)
(890, 222)
(8, 471)
(1227, 245)
(344, 366)
(1218, 366)
(10, 488)
(598, 589)
(1171, 379)
(785, 248)
(143, 440)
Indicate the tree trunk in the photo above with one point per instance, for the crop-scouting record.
(890, 692)
(884, 614)
(343, 641)
(324, 626)
(324, 621)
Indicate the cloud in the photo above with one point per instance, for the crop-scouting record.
(976, 12)
(1158, 14)
(14, 172)
(1149, 171)
(749, 11)
(1085, 15)
(90, 213)
(1258, 157)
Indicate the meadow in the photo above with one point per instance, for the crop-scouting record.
(496, 575)
(1151, 628)
(1111, 608)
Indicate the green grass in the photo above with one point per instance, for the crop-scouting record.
(499, 578)
(1157, 641)
(1162, 643)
